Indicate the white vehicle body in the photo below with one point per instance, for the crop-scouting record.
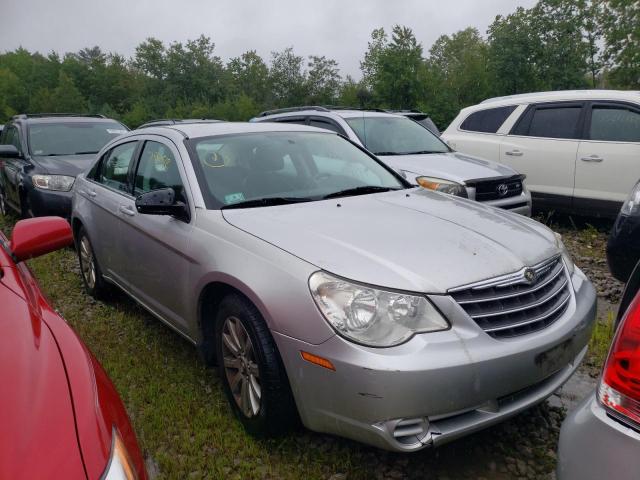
(580, 150)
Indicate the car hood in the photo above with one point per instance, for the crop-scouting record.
(414, 239)
(450, 166)
(36, 411)
(71, 165)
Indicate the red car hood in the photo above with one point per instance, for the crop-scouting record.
(36, 412)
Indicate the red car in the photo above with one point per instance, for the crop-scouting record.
(60, 415)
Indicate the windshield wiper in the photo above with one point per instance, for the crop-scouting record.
(420, 152)
(85, 153)
(386, 153)
(266, 202)
(359, 191)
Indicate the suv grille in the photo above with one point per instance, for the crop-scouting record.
(497, 189)
(518, 303)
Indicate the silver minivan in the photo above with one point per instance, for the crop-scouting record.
(328, 288)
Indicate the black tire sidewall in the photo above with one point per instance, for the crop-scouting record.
(276, 400)
(98, 289)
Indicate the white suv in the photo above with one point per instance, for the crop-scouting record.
(580, 150)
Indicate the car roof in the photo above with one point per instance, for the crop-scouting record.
(565, 95)
(174, 121)
(197, 130)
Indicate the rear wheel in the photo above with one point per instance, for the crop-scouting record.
(90, 271)
(251, 370)
(25, 208)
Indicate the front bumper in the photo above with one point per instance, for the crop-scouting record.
(519, 204)
(457, 381)
(48, 202)
(595, 446)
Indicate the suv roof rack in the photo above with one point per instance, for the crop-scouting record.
(412, 110)
(45, 115)
(159, 122)
(293, 109)
(318, 108)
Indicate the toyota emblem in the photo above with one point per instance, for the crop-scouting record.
(502, 189)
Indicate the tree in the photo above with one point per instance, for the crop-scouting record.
(67, 96)
(288, 78)
(621, 31)
(392, 68)
(456, 74)
(323, 80)
(249, 75)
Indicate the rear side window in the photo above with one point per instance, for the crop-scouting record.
(487, 121)
(114, 168)
(614, 124)
(550, 122)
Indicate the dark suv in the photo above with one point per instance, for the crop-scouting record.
(40, 156)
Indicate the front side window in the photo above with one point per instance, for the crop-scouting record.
(325, 124)
(114, 168)
(13, 138)
(550, 122)
(614, 124)
(395, 136)
(71, 138)
(487, 121)
(296, 166)
(157, 169)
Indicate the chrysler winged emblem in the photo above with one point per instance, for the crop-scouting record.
(530, 275)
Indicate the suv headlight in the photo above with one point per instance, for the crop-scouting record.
(120, 466)
(442, 185)
(568, 261)
(371, 316)
(631, 205)
(60, 183)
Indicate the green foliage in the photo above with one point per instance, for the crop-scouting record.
(556, 44)
(620, 21)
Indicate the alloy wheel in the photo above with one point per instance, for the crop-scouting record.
(240, 366)
(87, 263)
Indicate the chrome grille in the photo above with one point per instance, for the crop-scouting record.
(517, 303)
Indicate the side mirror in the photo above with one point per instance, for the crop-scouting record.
(39, 236)
(9, 151)
(162, 202)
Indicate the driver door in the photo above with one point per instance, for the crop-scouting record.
(156, 246)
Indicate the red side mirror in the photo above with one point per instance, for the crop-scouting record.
(38, 236)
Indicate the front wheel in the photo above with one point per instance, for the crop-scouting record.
(251, 370)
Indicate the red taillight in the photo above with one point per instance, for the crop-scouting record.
(619, 388)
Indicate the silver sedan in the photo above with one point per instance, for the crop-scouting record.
(326, 287)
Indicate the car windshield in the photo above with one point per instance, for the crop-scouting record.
(275, 168)
(71, 138)
(395, 136)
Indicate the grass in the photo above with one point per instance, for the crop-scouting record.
(187, 430)
(601, 340)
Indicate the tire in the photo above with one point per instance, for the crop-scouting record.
(3, 204)
(25, 209)
(251, 369)
(94, 283)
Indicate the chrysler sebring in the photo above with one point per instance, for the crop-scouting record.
(326, 287)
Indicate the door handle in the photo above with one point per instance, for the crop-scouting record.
(127, 211)
(91, 193)
(514, 153)
(592, 158)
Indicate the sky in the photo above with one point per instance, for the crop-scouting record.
(338, 29)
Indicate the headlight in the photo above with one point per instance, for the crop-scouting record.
(442, 185)
(632, 204)
(60, 183)
(120, 466)
(565, 254)
(370, 316)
